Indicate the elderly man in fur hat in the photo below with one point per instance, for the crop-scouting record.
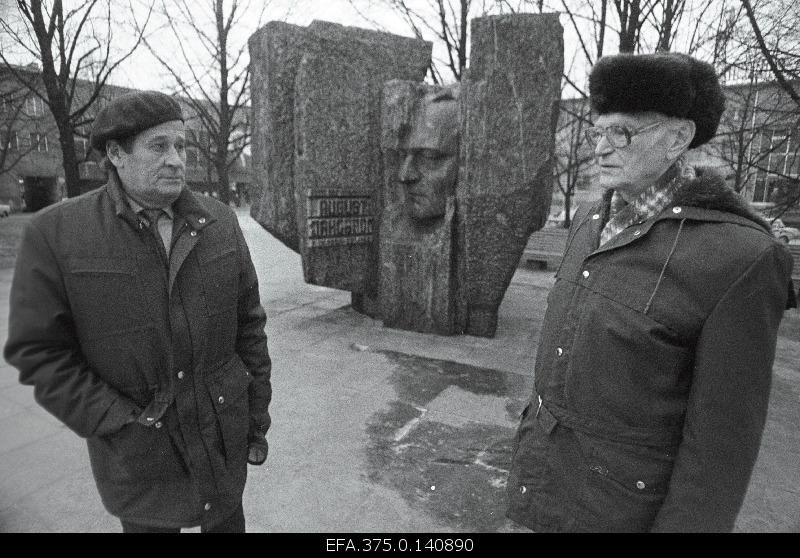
(135, 314)
(653, 370)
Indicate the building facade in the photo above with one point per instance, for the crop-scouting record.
(31, 172)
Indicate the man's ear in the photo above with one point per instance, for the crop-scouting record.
(684, 134)
(114, 153)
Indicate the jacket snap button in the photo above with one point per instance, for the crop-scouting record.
(637, 233)
(596, 216)
(193, 233)
(159, 424)
(559, 351)
(201, 220)
(221, 399)
(180, 375)
(523, 490)
(150, 419)
(640, 485)
(585, 274)
(676, 210)
(207, 506)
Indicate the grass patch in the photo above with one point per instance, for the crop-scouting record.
(10, 234)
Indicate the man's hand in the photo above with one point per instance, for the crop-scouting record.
(257, 452)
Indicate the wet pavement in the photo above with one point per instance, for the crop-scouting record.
(374, 429)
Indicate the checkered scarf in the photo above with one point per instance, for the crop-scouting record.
(648, 204)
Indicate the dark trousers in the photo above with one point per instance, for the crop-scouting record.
(233, 524)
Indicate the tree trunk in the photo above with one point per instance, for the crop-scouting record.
(629, 31)
(221, 164)
(69, 158)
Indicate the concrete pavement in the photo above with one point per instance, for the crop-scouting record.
(374, 429)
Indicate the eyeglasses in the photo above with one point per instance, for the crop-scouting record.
(617, 136)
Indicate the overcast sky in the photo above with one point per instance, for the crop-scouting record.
(142, 70)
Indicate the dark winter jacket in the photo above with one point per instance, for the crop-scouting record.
(653, 370)
(104, 331)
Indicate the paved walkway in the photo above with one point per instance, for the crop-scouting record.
(374, 429)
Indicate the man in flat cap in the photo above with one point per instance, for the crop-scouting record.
(135, 314)
(653, 368)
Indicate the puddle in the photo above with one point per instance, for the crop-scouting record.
(445, 443)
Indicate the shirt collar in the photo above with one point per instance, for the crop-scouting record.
(137, 207)
(186, 206)
(647, 204)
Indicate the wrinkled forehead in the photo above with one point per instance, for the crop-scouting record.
(434, 126)
(171, 130)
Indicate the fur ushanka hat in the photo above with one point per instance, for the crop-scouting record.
(670, 83)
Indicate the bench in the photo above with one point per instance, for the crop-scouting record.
(545, 247)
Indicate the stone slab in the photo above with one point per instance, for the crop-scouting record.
(338, 162)
(509, 111)
(316, 113)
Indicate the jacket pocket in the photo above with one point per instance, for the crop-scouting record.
(136, 454)
(625, 484)
(228, 388)
(95, 283)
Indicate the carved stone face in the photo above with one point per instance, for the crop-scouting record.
(429, 158)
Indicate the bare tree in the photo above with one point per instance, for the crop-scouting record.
(72, 45)
(783, 60)
(212, 75)
(446, 23)
(759, 136)
(573, 155)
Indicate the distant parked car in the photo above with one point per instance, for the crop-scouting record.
(784, 233)
(5, 210)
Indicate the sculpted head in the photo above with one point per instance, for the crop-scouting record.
(429, 155)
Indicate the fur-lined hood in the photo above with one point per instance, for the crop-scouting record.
(709, 191)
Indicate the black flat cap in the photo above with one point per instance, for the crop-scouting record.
(670, 83)
(129, 114)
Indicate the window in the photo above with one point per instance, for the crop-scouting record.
(34, 106)
(9, 140)
(38, 142)
(81, 145)
(777, 156)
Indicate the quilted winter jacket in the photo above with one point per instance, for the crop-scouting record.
(653, 370)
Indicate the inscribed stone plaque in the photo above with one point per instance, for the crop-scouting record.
(338, 217)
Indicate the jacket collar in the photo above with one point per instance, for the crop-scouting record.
(708, 191)
(705, 197)
(186, 205)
